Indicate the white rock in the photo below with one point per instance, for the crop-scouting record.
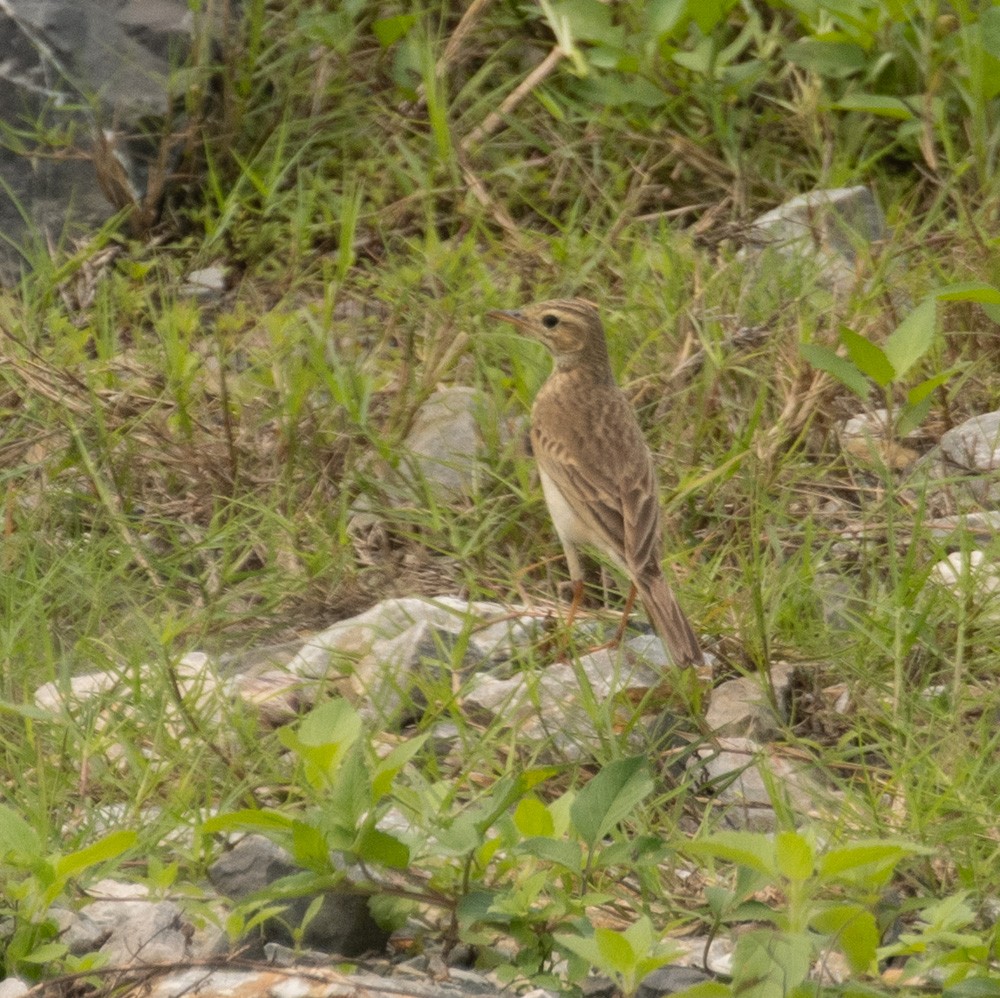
(974, 444)
(968, 571)
(445, 442)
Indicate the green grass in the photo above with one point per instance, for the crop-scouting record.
(179, 476)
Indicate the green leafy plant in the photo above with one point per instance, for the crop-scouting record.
(829, 904)
(890, 367)
(31, 881)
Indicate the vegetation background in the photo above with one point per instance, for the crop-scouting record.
(180, 475)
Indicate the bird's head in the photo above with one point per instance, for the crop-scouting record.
(569, 327)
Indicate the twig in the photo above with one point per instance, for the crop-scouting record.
(496, 118)
(462, 29)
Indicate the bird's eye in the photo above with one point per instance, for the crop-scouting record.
(550, 321)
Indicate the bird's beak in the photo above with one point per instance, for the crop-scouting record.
(505, 315)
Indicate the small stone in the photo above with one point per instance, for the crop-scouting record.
(141, 931)
(975, 444)
(343, 925)
(740, 773)
(825, 222)
(207, 283)
(743, 707)
(671, 980)
(971, 573)
(445, 442)
(13, 987)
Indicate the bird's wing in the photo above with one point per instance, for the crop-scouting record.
(604, 471)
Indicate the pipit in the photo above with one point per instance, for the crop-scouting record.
(595, 467)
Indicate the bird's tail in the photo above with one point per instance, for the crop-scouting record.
(670, 622)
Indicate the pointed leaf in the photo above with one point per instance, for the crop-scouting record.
(868, 358)
(769, 963)
(383, 849)
(558, 851)
(749, 849)
(977, 291)
(868, 861)
(610, 797)
(109, 847)
(16, 835)
(794, 856)
(913, 337)
(855, 933)
(825, 359)
(880, 104)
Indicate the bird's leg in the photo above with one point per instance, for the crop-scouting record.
(574, 604)
(623, 623)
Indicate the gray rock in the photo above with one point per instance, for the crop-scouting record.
(377, 655)
(743, 706)
(79, 931)
(550, 708)
(970, 574)
(96, 68)
(208, 283)
(141, 931)
(826, 223)
(445, 442)
(343, 925)
(975, 444)
(742, 775)
(13, 987)
(670, 980)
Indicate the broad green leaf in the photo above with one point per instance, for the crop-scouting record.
(912, 415)
(585, 947)
(16, 835)
(977, 291)
(832, 59)
(912, 338)
(109, 847)
(880, 104)
(640, 936)
(589, 20)
(476, 906)
(532, 817)
(376, 846)
(750, 849)
(708, 13)
(768, 963)
(919, 392)
(794, 856)
(309, 847)
(387, 769)
(610, 797)
(869, 861)
(973, 987)
(248, 819)
(348, 797)
(665, 17)
(388, 30)
(47, 953)
(334, 722)
(825, 359)
(867, 357)
(615, 950)
(855, 933)
(558, 851)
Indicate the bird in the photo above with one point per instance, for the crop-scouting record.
(596, 469)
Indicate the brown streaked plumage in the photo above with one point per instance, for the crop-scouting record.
(596, 469)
